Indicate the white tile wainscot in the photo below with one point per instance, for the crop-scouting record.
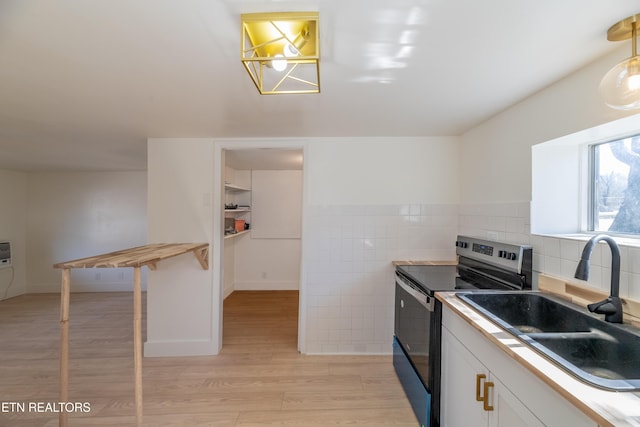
(350, 292)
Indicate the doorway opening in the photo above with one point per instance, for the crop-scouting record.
(261, 256)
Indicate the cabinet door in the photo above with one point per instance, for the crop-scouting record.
(460, 370)
(461, 387)
(508, 411)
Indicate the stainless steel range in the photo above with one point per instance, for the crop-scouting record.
(482, 264)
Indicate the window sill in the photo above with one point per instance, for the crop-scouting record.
(628, 241)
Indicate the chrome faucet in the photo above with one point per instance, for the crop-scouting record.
(612, 306)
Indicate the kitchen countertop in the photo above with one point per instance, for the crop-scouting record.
(607, 408)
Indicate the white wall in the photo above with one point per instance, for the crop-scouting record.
(13, 227)
(79, 214)
(496, 199)
(269, 257)
(267, 264)
(183, 316)
(374, 171)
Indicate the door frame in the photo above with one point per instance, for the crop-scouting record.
(218, 227)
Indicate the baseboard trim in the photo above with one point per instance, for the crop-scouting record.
(267, 286)
(227, 292)
(179, 348)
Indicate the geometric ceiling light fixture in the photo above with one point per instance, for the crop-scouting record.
(281, 51)
(620, 87)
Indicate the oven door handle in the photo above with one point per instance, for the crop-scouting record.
(425, 300)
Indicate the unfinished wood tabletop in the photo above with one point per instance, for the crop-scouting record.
(147, 255)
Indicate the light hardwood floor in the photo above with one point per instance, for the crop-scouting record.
(259, 378)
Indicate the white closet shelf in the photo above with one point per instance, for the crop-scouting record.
(235, 188)
(230, 236)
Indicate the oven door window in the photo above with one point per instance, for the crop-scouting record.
(412, 329)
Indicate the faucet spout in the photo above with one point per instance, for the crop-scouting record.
(612, 306)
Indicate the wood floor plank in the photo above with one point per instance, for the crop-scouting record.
(258, 379)
(344, 400)
(329, 417)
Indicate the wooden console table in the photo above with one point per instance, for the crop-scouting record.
(148, 255)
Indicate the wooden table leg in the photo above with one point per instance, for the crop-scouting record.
(64, 343)
(137, 342)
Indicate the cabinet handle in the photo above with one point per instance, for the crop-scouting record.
(479, 378)
(485, 401)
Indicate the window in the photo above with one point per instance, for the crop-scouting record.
(615, 186)
(564, 187)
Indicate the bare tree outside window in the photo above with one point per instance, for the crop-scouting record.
(617, 198)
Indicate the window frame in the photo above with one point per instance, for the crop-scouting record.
(592, 199)
(593, 167)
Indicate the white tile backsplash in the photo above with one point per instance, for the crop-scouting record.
(350, 283)
(349, 276)
(553, 255)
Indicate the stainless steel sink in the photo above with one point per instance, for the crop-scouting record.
(600, 353)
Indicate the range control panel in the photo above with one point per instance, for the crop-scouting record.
(506, 255)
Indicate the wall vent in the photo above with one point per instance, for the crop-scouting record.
(5, 254)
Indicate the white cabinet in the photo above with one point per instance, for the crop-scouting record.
(237, 203)
(473, 396)
(483, 386)
(460, 369)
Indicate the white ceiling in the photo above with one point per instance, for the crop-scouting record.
(83, 83)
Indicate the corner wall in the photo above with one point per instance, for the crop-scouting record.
(182, 306)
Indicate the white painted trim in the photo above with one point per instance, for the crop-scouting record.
(276, 285)
(227, 292)
(221, 144)
(179, 348)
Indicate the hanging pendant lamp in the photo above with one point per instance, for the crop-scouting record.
(620, 87)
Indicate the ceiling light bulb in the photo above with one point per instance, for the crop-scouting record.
(633, 82)
(279, 64)
(293, 49)
(290, 51)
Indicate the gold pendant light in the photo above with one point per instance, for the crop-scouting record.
(281, 51)
(620, 87)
